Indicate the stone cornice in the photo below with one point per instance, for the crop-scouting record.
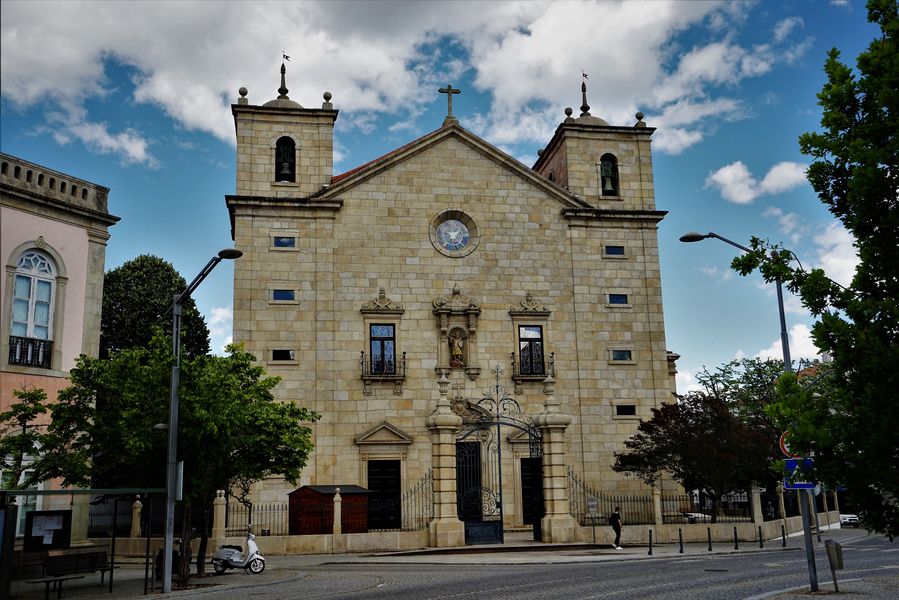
(583, 216)
(326, 207)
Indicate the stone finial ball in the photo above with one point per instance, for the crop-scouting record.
(639, 116)
(243, 92)
(327, 96)
(568, 111)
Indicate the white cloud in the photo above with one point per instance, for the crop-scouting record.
(801, 345)
(129, 144)
(791, 223)
(836, 253)
(686, 382)
(720, 274)
(384, 60)
(785, 27)
(737, 184)
(220, 328)
(782, 177)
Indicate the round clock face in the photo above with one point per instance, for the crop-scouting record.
(453, 235)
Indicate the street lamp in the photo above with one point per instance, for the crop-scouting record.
(785, 345)
(784, 339)
(173, 474)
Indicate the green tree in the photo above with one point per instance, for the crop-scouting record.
(701, 444)
(747, 386)
(138, 297)
(231, 428)
(855, 172)
(19, 436)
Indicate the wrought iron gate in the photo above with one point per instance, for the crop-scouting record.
(479, 463)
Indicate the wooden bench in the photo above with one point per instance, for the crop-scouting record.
(55, 581)
(77, 562)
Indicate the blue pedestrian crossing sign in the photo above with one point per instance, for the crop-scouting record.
(796, 474)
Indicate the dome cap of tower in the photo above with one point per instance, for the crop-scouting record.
(585, 118)
(282, 101)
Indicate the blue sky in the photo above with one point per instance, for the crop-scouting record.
(136, 96)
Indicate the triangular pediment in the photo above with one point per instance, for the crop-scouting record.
(383, 433)
(340, 184)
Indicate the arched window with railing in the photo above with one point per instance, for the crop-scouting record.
(31, 321)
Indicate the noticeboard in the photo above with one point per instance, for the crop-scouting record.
(47, 530)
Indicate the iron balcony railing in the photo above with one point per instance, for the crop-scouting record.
(388, 368)
(533, 369)
(30, 352)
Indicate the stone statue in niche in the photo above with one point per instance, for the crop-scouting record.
(457, 349)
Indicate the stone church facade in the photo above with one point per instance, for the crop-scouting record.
(394, 298)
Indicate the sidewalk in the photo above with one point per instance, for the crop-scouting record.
(129, 577)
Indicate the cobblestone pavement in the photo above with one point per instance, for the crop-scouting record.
(534, 571)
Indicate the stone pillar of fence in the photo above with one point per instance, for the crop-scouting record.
(780, 501)
(657, 506)
(558, 526)
(218, 519)
(445, 529)
(338, 514)
(755, 498)
(136, 507)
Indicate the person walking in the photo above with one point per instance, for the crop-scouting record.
(616, 522)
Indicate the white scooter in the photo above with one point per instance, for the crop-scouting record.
(232, 557)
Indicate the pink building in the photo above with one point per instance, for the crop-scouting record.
(53, 232)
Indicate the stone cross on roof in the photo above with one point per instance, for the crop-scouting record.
(449, 91)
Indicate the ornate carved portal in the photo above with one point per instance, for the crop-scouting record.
(457, 322)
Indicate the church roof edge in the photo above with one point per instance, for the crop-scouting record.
(349, 178)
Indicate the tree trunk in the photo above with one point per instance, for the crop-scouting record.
(184, 563)
(715, 501)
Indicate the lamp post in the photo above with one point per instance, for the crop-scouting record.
(785, 345)
(784, 339)
(173, 474)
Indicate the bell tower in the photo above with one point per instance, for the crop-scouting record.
(283, 149)
(609, 167)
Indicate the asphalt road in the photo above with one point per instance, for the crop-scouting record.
(561, 573)
(693, 576)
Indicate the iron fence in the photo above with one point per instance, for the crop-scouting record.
(791, 503)
(699, 508)
(416, 505)
(770, 506)
(268, 518)
(636, 509)
(102, 516)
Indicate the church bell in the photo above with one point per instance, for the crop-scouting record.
(285, 173)
(607, 185)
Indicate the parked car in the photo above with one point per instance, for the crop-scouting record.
(694, 517)
(849, 521)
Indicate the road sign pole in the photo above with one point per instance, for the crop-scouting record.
(807, 534)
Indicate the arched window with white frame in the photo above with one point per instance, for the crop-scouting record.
(31, 321)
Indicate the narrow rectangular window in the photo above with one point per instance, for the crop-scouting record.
(625, 410)
(530, 349)
(283, 295)
(618, 299)
(282, 354)
(383, 349)
(615, 250)
(285, 242)
(624, 355)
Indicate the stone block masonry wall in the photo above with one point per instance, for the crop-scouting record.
(379, 238)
